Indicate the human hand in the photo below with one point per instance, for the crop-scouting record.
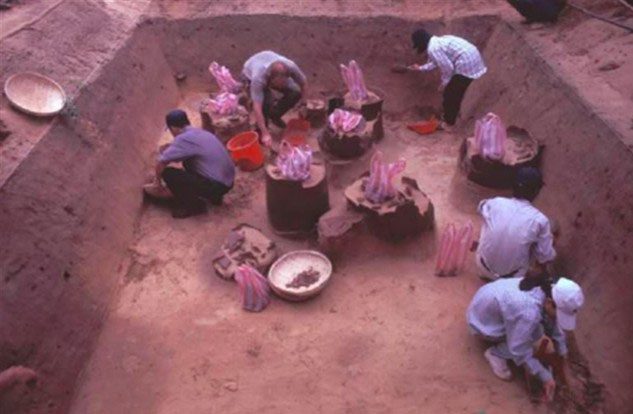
(267, 139)
(549, 389)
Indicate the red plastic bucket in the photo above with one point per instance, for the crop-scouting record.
(246, 151)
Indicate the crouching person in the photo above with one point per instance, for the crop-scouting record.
(515, 313)
(208, 172)
(514, 233)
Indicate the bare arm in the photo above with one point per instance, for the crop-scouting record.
(261, 122)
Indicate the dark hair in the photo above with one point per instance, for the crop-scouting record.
(177, 118)
(544, 281)
(528, 181)
(420, 39)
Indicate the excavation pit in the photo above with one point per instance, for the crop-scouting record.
(118, 306)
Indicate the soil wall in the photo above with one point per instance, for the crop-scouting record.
(67, 215)
(318, 45)
(588, 171)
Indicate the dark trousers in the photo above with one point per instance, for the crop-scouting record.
(453, 96)
(188, 188)
(275, 110)
(538, 10)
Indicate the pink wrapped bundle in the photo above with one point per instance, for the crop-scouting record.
(223, 104)
(342, 121)
(294, 162)
(490, 137)
(254, 289)
(379, 186)
(223, 77)
(453, 250)
(354, 80)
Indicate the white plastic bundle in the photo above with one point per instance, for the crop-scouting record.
(379, 186)
(341, 121)
(354, 80)
(454, 246)
(223, 77)
(294, 162)
(254, 289)
(223, 104)
(490, 137)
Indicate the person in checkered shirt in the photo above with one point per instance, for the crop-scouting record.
(459, 62)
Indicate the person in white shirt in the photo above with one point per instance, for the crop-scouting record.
(513, 314)
(459, 62)
(514, 232)
(266, 71)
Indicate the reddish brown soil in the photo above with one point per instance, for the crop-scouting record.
(122, 313)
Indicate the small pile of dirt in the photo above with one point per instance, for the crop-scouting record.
(304, 279)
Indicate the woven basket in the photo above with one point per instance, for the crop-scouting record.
(284, 270)
(35, 94)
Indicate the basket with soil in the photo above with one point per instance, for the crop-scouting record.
(492, 157)
(300, 275)
(296, 191)
(393, 211)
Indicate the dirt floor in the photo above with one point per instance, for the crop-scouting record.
(383, 337)
(154, 330)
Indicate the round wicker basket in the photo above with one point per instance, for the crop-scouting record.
(289, 266)
(35, 94)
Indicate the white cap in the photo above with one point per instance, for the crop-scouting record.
(568, 298)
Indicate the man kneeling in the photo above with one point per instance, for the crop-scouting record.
(208, 169)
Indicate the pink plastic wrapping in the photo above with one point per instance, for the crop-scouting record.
(254, 289)
(354, 80)
(379, 186)
(453, 250)
(294, 162)
(342, 121)
(223, 104)
(490, 137)
(223, 77)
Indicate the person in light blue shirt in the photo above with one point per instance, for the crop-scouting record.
(514, 313)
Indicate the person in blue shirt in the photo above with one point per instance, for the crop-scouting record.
(208, 170)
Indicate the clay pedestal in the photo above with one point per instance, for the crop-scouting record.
(521, 150)
(335, 228)
(226, 127)
(294, 207)
(408, 214)
(315, 112)
(371, 109)
(349, 145)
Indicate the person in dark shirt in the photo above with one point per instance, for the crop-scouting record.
(538, 10)
(208, 170)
